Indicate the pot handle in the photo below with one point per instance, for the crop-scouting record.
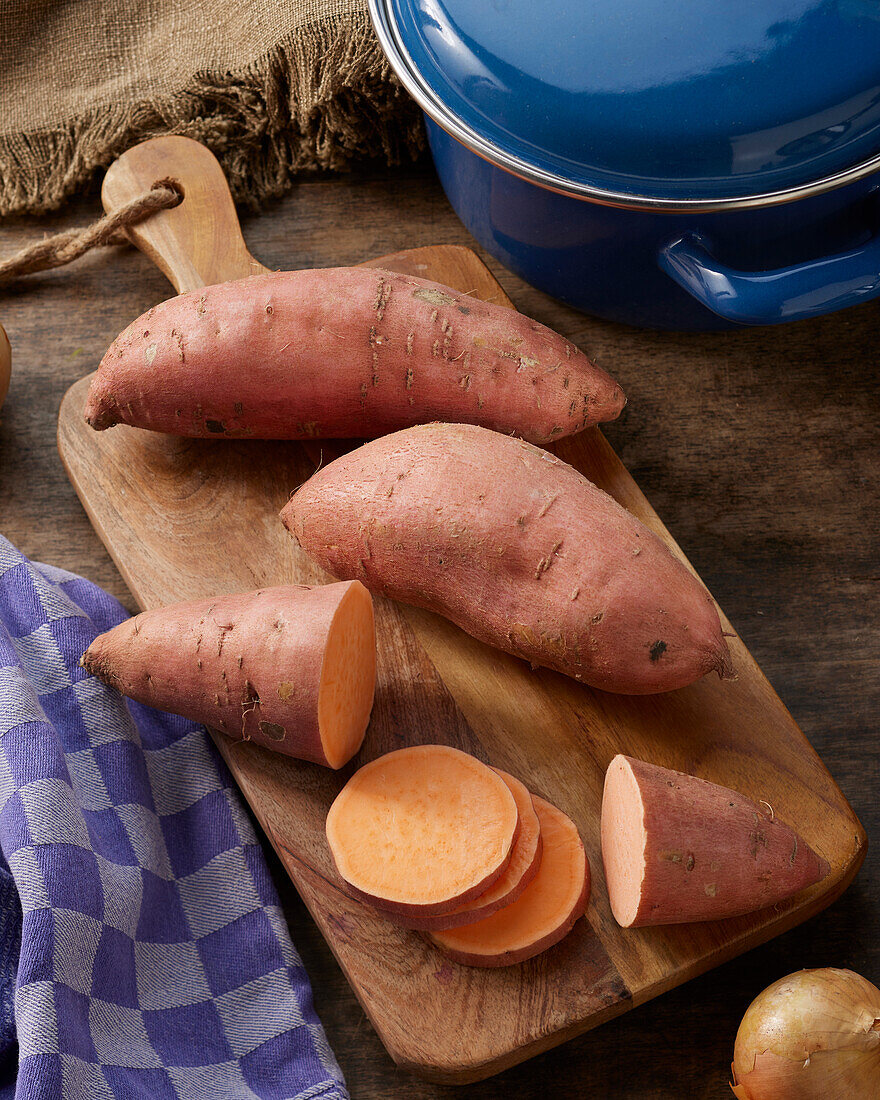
(771, 297)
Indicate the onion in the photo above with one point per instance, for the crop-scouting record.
(814, 1035)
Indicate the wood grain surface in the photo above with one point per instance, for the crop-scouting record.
(189, 518)
(758, 448)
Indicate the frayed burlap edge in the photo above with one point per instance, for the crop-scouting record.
(322, 98)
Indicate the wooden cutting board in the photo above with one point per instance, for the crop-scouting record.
(188, 518)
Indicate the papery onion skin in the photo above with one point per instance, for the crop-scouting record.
(814, 1035)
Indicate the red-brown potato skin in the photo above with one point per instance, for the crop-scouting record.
(248, 664)
(515, 547)
(712, 853)
(5, 364)
(343, 353)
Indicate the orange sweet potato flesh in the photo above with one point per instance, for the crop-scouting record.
(343, 353)
(677, 849)
(542, 915)
(422, 830)
(515, 547)
(291, 668)
(525, 859)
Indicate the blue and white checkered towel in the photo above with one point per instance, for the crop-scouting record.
(140, 935)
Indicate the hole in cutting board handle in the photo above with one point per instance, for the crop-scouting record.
(173, 185)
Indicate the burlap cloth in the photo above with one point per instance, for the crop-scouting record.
(272, 86)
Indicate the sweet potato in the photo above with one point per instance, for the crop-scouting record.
(290, 668)
(678, 849)
(343, 353)
(525, 859)
(5, 364)
(422, 830)
(542, 915)
(518, 549)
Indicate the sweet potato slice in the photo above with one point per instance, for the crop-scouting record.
(542, 915)
(421, 830)
(678, 849)
(525, 859)
(291, 668)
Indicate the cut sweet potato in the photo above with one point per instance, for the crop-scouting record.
(291, 668)
(421, 830)
(525, 859)
(542, 915)
(678, 849)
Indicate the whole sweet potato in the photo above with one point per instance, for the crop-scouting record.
(343, 353)
(518, 549)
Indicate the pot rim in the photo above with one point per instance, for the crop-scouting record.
(427, 99)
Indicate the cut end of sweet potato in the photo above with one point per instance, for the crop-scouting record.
(348, 677)
(624, 841)
(422, 830)
(542, 915)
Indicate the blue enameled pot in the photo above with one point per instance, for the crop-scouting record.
(694, 166)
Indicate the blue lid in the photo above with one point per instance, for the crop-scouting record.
(654, 98)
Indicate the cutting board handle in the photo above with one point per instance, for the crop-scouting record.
(198, 242)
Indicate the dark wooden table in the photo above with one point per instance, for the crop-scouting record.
(758, 448)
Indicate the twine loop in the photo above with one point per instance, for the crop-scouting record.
(64, 248)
